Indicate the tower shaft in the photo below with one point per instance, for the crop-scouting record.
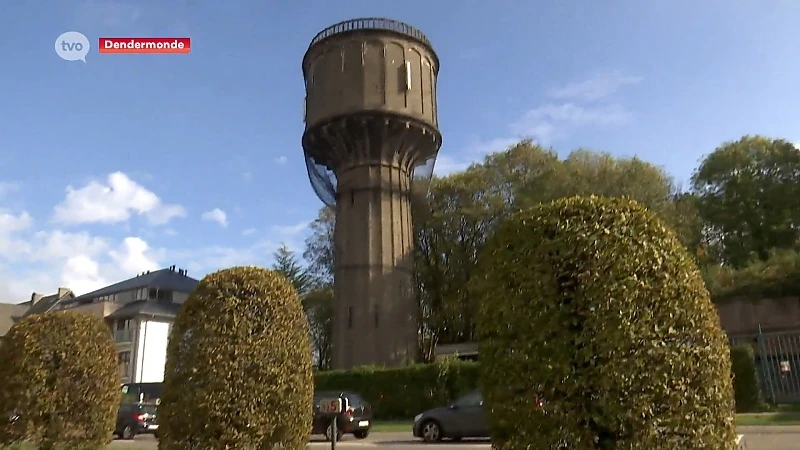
(374, 315)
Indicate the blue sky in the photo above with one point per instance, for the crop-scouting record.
(127, 162)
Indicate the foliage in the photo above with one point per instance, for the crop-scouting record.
(749, 193)
(747, 391)
(319, 249)
(400, 393)
(318, 305)
(777, 276)
(238, 352)
(605, 316)
(463, 209)
(287, 265)
(59, 373)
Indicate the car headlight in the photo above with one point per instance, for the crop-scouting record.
(417, 417)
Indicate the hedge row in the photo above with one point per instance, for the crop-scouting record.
(400, 394)
(747, 391)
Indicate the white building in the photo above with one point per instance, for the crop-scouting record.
(139, 311)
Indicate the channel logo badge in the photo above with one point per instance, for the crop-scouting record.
(72, 46)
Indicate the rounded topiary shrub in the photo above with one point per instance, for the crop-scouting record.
(747, 390)
(59, 375)
(238, 372)
(592, 305)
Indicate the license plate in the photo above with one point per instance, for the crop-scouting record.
(152, 427)
(363, 423)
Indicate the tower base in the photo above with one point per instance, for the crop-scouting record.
(375, 313)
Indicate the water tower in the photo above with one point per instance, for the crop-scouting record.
(370, 143)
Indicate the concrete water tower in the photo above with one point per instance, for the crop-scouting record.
(370, 143)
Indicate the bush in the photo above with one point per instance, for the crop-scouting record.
(402, 393)
(238, 354)
(778, 276)
(59, 373)
(592, 304)
(747, 391)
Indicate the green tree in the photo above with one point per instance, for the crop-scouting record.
(59, 373)
(749, 197)
(592, 305)
(287, 265)
(237, 354)
(319, 247)
(318, 305)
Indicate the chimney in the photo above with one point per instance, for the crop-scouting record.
(35, 298)
(62, 291)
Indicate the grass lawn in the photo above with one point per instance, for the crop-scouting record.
(769, 418)
(391, 426)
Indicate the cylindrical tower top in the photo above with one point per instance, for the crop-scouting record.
(371, 24)
(370, 101)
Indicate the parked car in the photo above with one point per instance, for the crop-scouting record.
(463, 418)
(356, 420)
(136, 418)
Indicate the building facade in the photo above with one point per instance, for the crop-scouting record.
(139, 311)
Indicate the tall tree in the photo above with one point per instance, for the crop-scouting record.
(749, 197)
(319, 310)
(319, 248)
(286, 263)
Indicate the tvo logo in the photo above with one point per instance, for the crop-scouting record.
(72, 46)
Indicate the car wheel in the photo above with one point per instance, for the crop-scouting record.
(431, 431)
(329, 433)
(127, 433)
(361, 434)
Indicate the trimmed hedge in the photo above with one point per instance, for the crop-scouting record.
(402, 393)
(747, 390)
(604, 315)
(239, 353)
(59, 373)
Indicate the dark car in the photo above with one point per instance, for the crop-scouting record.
(356, 420)
(136, 418)
(464, 418)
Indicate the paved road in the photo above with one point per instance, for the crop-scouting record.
(756, 438)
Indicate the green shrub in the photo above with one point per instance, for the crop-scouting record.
(592, 304)
(238, 354)
(402, 393)
(747, 391)
(59, 372)
(776, 277)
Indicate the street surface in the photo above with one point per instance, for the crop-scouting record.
(756, 438)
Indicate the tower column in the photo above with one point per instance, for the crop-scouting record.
(374, 310)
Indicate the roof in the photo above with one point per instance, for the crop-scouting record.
(146, 308)
(164, 279)
(7, 314)
(47, 302)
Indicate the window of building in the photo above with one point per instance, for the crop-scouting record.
(153, 294)
(141, 294)
(124, 363)
(125, 324)
(376, 314)
(350, 317)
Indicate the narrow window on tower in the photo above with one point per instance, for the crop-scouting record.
(350, 317)
(352, 197)
(376, 316)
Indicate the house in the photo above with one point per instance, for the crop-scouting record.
(139, 311)
(9, 313)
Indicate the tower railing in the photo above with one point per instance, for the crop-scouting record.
(372, 23)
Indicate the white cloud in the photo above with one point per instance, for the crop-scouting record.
(598, 86)
(581, 107)
(291, 230)
(248, 232)
(216, 215)
(281, 160)
(112, 202)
